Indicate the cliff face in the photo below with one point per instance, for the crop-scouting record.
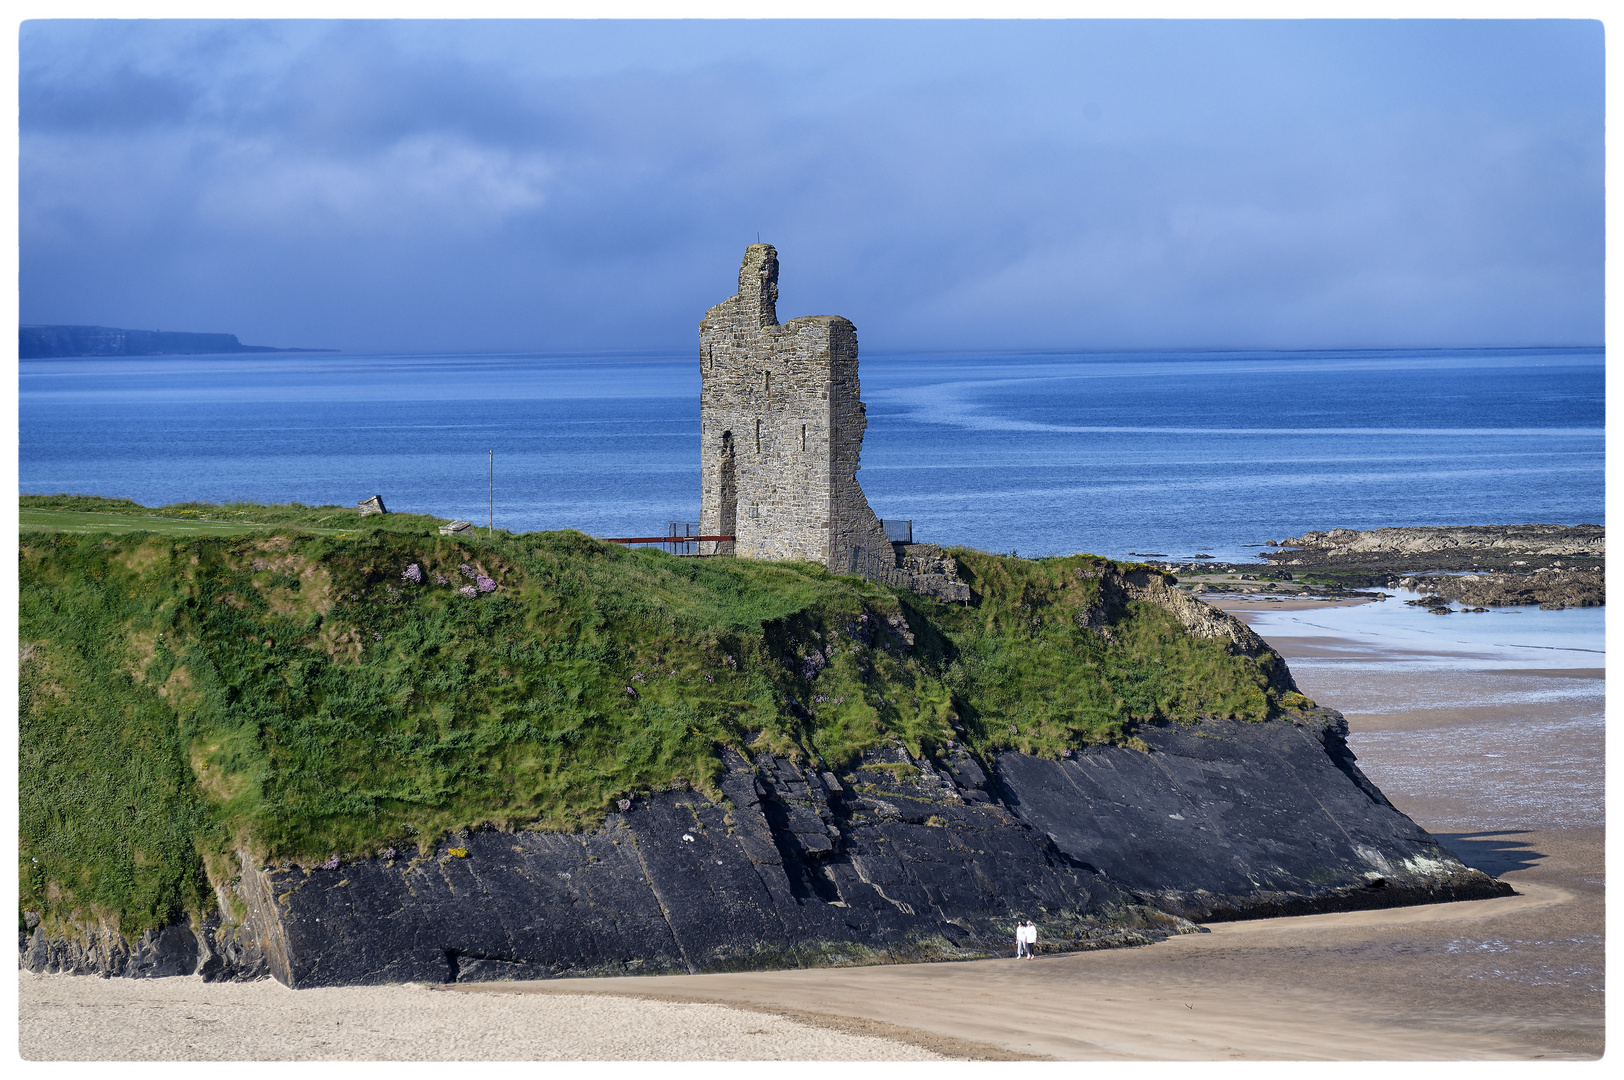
(1225, 820)
(38, 342)
(902, 859)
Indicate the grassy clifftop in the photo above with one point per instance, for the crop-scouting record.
(322, 684)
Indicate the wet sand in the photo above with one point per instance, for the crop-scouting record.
(1504, 765)
(1376, 985)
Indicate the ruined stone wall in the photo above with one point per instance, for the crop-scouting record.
(781, 429)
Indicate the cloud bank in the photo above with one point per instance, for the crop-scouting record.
(556, 186)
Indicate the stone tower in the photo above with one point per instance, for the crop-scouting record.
(781, 428)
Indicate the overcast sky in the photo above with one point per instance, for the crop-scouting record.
(556, 186)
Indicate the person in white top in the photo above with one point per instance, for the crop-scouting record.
(1031, 939)
(1021, 929)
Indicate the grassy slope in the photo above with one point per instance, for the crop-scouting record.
(288, 691)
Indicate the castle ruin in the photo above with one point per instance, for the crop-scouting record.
(781, 425)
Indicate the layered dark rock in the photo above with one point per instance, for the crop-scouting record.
(790, 869)
(209, 947)
(901, 859)
(1227, 820)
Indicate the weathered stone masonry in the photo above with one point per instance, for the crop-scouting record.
(782, 423)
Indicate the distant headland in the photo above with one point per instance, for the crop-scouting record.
(38, 342)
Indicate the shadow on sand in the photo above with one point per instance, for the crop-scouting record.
(1494, 853)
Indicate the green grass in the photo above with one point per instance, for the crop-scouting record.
(80, 521)
(285, 690)
(90, 514)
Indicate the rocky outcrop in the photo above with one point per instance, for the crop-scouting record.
(1554, 540)
(929, 571)
(95, 949)
(1201, 620)
(899, 859)
(209, 947)
(1554, 565)
(1549, 587)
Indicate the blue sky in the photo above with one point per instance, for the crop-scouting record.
(558, 186)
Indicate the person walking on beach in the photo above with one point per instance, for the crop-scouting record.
(1031, 939)
(1020, 939)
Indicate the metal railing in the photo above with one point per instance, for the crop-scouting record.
(683, 547)
(681, 538)
(897, 530)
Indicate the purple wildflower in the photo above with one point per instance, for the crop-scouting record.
(638, 677)
(485, 584)
(412, 574)
(469, 591)
(624, 804)
(630, 692)
(467, 571)
(441, 579)
(709, 677)
(388, 853)
(331, 864)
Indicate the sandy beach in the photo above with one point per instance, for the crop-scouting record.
(1503, 762)
(77, 1018)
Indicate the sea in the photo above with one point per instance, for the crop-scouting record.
(1149, 453)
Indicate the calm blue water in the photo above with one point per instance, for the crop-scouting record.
(1172, 453)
